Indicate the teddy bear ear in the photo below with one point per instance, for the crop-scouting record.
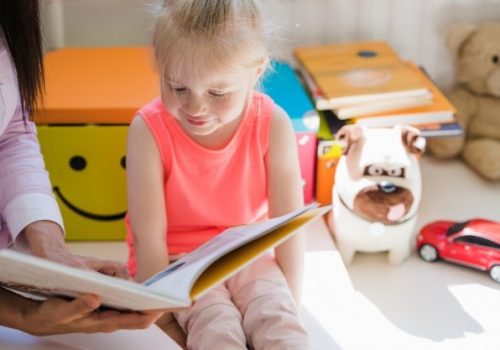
(457, 34)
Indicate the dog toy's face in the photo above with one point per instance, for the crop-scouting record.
(378, 177)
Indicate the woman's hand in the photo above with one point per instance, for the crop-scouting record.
(46, 240)
(58, 316)
(107, 267)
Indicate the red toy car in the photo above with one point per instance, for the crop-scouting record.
(474, 243)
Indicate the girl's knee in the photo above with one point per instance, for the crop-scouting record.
(203, 316)
(217, 326)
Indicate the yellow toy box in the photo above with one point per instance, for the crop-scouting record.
(91, 96)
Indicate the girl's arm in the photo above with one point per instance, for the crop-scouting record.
(285, 195)
(146, 202)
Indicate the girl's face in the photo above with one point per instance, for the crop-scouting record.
(211, 101)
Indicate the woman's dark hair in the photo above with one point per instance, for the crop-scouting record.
(20, 21)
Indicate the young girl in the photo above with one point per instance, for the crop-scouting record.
(211, 153)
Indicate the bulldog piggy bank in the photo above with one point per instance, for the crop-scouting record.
(377, 191)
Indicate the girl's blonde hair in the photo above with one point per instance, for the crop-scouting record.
(196, 34)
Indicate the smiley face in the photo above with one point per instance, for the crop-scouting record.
(79, 163)
(87, 164)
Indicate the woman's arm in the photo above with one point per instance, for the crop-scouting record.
(25, 190)
(146, 200)
(28, 205)
(285, 195)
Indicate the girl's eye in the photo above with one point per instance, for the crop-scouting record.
(177, 90)
(217, 93)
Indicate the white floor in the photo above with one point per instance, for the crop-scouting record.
(152, 338)
(371, 304)
(416, 305)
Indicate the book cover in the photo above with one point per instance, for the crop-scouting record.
(333, 122)
(329, 152)
(177, 286)
(320, 101)
(440, 111)
(306, 146)
(283, 85)
(360, 72)
(382, 106)
(319, 58)
(440, 129)
(324, 132)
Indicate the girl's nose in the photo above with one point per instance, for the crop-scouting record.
(195, 106)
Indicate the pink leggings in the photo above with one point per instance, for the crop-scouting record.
(253, 309)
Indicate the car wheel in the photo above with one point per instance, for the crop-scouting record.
(428, 252)
(495, 273)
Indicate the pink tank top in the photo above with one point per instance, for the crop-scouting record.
(207, 191)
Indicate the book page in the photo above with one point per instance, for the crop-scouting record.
(235, 260)
(170, 288)
(184, 272)
(46, 278)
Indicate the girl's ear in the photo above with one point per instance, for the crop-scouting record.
(261, 68)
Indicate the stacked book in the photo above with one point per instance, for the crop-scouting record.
(367, 83)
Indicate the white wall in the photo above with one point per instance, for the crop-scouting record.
(415, 28)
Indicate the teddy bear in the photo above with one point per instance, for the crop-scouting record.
(476, 96)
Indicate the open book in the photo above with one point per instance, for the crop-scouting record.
(177, 286)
